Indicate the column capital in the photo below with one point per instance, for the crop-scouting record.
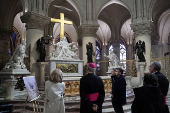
(88, 30)
(42, 64)
(34, 20)
(143, 28)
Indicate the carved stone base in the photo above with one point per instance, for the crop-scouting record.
(10, 88)
(128, 81)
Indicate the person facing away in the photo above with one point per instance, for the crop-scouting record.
(155, 68)
(54, 89)
(148, 98)
(118, 90)
(91, 91)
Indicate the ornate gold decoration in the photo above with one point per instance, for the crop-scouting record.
(62, 22)
(68, 68)
(153, 55)
(72, 87)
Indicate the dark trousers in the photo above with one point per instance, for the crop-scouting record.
(118, 107)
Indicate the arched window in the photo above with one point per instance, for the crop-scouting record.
(110, 48)
(98, 58)
(123, 54)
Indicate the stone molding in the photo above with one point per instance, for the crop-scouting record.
(35, 21)
(143, 28)
(88, 30)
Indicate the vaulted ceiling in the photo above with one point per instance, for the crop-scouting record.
(115, 18)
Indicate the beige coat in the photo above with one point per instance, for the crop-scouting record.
(54, 93)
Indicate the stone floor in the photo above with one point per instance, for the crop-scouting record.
(72, 104)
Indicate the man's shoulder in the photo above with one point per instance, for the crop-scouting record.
(159, 74)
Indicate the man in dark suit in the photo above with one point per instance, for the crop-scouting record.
(155, 68)
(91, 91)
(118, 91)
(113, 75)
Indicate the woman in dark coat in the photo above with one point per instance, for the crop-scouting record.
(148, 98)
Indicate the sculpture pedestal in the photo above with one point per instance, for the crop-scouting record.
(49, 46)
(128, 81)
(41, 82)
(10, 85)
(141, 66)
(8, 78)
(78, 63)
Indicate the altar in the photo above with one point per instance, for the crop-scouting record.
(68, 67)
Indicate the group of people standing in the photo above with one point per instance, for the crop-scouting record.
(150, 98)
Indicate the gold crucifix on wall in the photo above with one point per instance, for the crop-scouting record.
(62, 22)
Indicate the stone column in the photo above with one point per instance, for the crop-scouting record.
(116, 47)
(41, 82)
(49, 46)
(129, 52)
(88, 33)
(142, 31)
(80, 48)
(10, 85)
(104, 65)
(140, 72)
(35, 24)
(160, 47)
(128, 81)
(165, 48)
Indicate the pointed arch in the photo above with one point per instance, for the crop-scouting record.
(112, 2)
(150, 9)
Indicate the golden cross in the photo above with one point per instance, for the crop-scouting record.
(62, 22)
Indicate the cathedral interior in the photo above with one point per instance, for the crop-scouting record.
(108, 24)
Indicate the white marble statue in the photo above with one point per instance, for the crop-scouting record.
(64, 51)
(16, 61)
(114, 61)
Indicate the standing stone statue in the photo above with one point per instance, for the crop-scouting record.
(41, 49)
(90, 53)
(140, 47)
(16, 61)
(114, 60)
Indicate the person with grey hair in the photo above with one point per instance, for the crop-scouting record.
(148, 98)
(91, 91)
(54, 89)
(155, 68)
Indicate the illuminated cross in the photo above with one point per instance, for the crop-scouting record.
(62, 22)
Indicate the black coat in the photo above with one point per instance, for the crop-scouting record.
(163, 83)
(119, 89)
(148, 99)
(91, 84)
